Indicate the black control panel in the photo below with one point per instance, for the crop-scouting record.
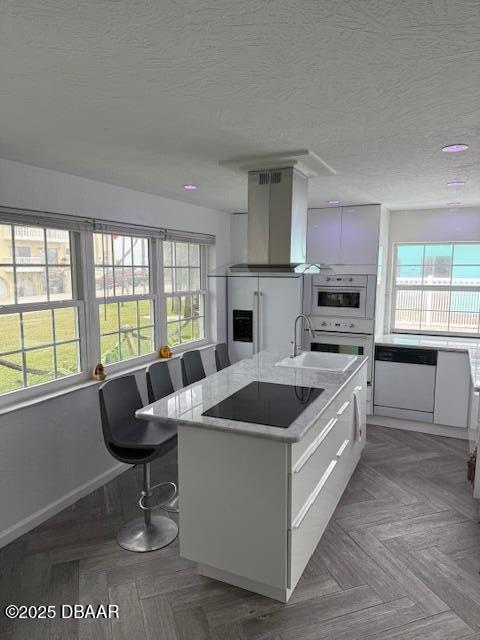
(242, 325)
(409, 355)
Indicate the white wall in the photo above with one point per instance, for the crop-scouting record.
(435, 225)
(238, 237)
(430, 225)
(52, 453)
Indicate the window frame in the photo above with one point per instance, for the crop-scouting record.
(153, 296)
(82, 265)
(31, 392)
(450, 288)
(204, 291)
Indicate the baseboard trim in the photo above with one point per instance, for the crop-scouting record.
(27, 524)
(420, 427)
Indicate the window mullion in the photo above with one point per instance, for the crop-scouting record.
(161, 308)
(90, 320)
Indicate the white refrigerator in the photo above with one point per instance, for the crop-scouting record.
(261, 313)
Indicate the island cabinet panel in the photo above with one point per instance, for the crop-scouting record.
(253, 509)
(320, 474)
(233, 505)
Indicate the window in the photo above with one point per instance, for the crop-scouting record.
(123, 293)
(437, 288)
(185, 291)
(39, 316)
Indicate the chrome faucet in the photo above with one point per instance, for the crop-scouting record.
(311, 331)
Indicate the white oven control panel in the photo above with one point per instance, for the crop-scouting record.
(342, 325)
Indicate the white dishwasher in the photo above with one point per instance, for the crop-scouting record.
(404, 383)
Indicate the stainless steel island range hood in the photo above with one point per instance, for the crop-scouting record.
(277, 210)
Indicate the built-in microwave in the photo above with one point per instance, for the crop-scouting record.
(340, 296)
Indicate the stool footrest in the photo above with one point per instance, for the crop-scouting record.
(160, 505)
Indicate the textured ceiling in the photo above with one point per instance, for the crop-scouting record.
(152, 94)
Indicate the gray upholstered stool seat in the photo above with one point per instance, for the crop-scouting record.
(222, 359)
(192, 367)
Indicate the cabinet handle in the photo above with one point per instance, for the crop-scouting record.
(343, 408)
(313, 496)
(255, 322)
(342, 448)
(310, 450)
(358, 413)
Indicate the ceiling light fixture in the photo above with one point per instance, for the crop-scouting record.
(454, 204)
(189, 187)
(333, 201)
(454, 148)
(456, 183)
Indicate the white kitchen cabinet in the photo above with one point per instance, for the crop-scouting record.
(360, 234)
(343, 235)
(324, 230)
(452, 389)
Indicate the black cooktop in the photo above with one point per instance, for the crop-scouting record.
(276, 405)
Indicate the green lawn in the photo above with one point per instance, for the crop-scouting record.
(126, 331)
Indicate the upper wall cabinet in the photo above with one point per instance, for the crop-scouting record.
(344, 235)
(324, 228)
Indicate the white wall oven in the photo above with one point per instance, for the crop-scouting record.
(357, 344)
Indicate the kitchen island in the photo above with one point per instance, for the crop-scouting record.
(256, 498)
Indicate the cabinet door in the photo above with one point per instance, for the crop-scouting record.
(323, 235)
(359, 235)
(452, 389)
(279, 303)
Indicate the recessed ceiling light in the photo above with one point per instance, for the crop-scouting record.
(189, 187)
(454, 148)
(456, 183)
(333, 201)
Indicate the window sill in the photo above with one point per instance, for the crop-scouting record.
(78, 386)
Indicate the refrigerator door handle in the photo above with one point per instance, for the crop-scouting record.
(255, 321)
(260, 320)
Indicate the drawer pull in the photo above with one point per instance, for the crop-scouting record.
(313, 496)
(309, 451)
(342, 448)
(343, 408)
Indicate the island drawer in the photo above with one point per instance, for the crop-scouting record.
(299, 448)
(331, 441)
(310, 522)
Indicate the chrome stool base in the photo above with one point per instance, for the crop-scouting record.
(140, 536)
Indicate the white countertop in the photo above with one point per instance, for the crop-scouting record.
(186, 406)
(444, 343)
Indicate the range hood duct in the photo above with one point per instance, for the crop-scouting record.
(277, 210)
(277, 217)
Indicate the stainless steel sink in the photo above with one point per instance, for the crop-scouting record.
(315, 360)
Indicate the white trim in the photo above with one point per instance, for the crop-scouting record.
(33, 520)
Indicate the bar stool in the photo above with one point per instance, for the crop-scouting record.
(159, 385)
(135, 441)
(159, 381)
(222, 359)
(192, 367)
